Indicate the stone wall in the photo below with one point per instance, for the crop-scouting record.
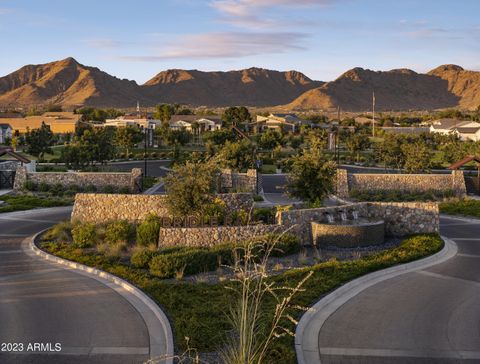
(405, 218)
(239, 182)
(100, 208)
(401, 218)
(405, 182)
(211, 236)
(100, 180)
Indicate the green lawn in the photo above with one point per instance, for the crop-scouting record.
(19, 203)
(199, 310)
(461, 207)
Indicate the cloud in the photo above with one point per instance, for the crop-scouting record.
(105, 43)
(258, 13)
(225, 45)
(4, 11)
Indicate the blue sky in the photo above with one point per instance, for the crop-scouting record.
(321, 38)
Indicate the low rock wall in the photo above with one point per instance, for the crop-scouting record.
(100, 180)
(99, 208)
(347, 182)
(211, 236)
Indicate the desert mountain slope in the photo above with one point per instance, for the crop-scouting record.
(252, 87)
(399, 89)
(68, 83)
(462, 83)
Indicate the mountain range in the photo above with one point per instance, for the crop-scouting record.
(71, 84)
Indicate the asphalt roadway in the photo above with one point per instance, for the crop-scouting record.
(427, 316)
(45, 304)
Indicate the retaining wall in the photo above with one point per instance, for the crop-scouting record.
(99, 208)
(211, 236)
(100, 180)
(347, 182)
(239, 182)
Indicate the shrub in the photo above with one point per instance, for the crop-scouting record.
(118, 231)
(43, 187)
(30, 185)
(84, 235)
(109, 189)
(90, 188)
(61, 232)
(264, 214)
(141, 259)
(197, 260)
(258, 198)
(124, 190)
(148, 231)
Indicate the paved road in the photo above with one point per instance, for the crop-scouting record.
(428, 316)
(43, 303)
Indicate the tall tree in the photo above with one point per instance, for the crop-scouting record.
(312, 175)
(39, 141)
(127, 137)
(237, 155)
(418, 156)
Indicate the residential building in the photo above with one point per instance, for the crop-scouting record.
(5, 132)
(124, 121)
(288, 122)
(188, 122)
(59, 122)
(465, 129)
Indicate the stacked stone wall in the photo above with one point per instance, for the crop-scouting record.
(215, 235)
(347, 182)
(131, 181)
(99, 208)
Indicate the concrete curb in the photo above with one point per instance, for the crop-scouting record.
(470, 219)
(159, 329)
(308, 329)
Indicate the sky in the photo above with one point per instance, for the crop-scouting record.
(321, 38)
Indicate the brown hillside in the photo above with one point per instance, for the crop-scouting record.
(462, 83)
(251, 87)
(400, 89)
(68, 83)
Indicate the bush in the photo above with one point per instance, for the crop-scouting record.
(264, 214)
(148, 231)
(84, 235)
(197, 260)
(141, 259)
(118, 231)
(30, 185)
(258, 198)
(43, 187)
(90, 188)
(61, 232)
(109, 189)
(124, 190)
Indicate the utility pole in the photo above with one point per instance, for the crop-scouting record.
(373, 113)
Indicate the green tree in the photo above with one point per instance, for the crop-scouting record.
(219, 137)
(312, 175)
(190, 187)
(270, 139)
(236, 116)
(126, 137)
(390, 152)
(356, 143)
(418, 156)
(164, 112)
(39, 141)
(237, 155)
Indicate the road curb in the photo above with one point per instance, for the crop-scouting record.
(155, 319)
(310, 324)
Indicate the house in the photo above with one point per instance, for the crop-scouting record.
(190, 122)
(469, 132)
(5, 132)
(124, 121)
(288, 122)
(59, 122)
(447, 125)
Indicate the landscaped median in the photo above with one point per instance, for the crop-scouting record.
(198, 309)
(27, 202)
(462, 207)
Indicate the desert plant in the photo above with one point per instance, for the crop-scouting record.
(148, 230)
(118, 231)
(84, 235)
(141, 258)
(61, 232)
(254, 330)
